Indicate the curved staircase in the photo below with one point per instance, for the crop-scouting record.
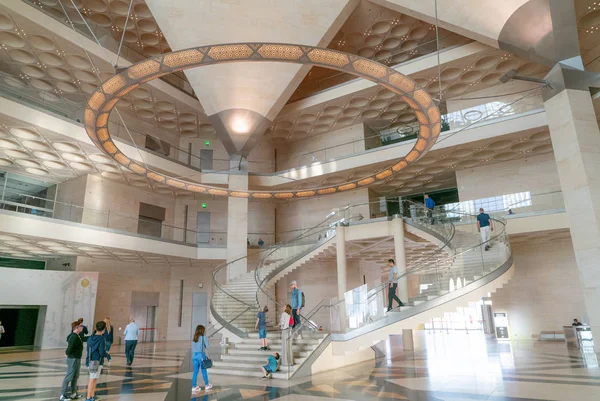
(460, 256)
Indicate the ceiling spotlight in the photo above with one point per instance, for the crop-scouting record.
(512, 74)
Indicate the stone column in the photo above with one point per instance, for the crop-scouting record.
(576, 142)
(340, 247)
(237, 220)
(400, 257)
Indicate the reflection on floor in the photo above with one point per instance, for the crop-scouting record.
(448, 367)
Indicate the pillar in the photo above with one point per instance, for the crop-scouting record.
(408, 343)
(400, 257)
(237, 220)
(576, 142)
(340, 247)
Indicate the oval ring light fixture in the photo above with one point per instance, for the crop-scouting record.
(106, 96)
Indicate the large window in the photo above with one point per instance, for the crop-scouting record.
(494, 204)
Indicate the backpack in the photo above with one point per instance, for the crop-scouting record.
(303, 300)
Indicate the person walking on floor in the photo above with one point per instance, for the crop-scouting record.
(393, 285)
(429, 205)
(131, 338)
(108, 337)
(73, 354)
(484, 225)
(2, 331)
(96, 351)
(199, 347)
(296, 303)
(261, 326)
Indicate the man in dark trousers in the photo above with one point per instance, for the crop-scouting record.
(73, 354)
(393, 285)
(296, 302)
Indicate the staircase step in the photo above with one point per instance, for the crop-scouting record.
(248, 372)
(275, 347)
(244, 364)
(254, 352)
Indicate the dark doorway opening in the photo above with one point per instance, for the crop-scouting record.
(20, 325)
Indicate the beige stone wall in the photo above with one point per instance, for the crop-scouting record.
(261, 219)
(342, 142)
(545, 293)
(70, 198)
(123, 203)
(307, 213)
(260, 160)
(116, 283)
(192, 276)
(535, 174)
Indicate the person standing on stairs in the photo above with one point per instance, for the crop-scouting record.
(484, 226)
(429, 205)
(261, 326)
(297, 302)
(284, 321)
(393, 285)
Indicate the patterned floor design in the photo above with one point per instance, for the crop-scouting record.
(447, 367)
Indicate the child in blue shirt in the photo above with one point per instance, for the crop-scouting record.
(261, 326)
(271, 366)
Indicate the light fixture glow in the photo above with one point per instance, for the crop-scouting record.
(240, 125)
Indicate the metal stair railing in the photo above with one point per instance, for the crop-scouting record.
(334, 310)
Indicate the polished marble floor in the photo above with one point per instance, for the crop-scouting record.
(445, 367)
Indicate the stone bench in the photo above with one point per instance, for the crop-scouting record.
(551, 336)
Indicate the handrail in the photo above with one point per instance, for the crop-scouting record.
(381, 287)
(270, 251)
(306, 318)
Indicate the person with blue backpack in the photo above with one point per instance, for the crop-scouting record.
(96, 351)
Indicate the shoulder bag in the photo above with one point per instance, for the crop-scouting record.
(206, 363)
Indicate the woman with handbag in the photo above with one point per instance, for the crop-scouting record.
(200, 359)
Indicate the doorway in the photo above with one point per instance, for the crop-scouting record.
(20, 326)
(202, 227)
(151, 218)
(199, 309)
(206, 159)
(144, 306)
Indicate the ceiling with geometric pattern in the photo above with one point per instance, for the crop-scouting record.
(22, 246)
(380, 109)
(381, 34)
(30, 150)
(436, 170)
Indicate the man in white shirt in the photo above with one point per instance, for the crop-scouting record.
(131, 336)
(393, 285)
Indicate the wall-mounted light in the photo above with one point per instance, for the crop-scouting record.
(204, 206)
(207, 143)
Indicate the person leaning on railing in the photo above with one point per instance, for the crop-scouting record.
(429, 204)
(484, 225)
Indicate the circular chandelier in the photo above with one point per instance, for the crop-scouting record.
(106, 96)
